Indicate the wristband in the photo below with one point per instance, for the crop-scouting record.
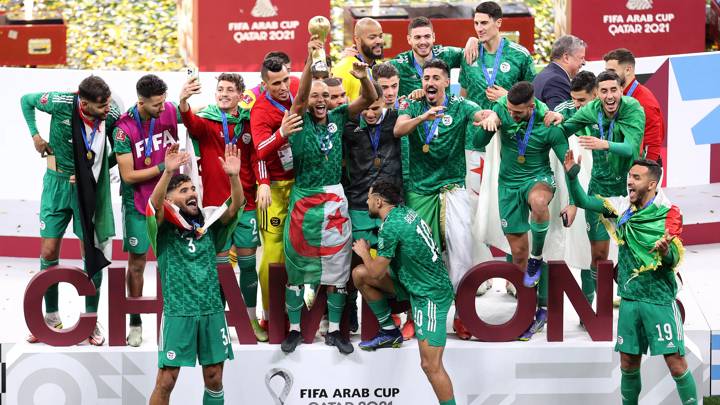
(161, 167)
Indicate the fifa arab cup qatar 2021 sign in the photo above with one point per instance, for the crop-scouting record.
(235, 35)
(646, 27)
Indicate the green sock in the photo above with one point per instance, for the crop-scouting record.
(686, 388)
(542, 288)
(293, 304)
(211, 397)
(381, 309)
(588, 284)
(450, 401)
(630, 386)
(51, 295)
(91, 302)
(538, 231)
(221, 260)
(248, 280)
(336, 304)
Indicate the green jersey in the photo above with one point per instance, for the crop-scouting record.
(442, 162)
(60, 106)
(514, 170)
(410, 71)
(415, 260)
(628, 128)
(515, 65)
(603, 179)
(317, 149)
(190, 285)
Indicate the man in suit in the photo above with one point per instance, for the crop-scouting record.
(552, 85)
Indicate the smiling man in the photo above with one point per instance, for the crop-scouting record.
(436, 127)
(369, 44)
(552, 85)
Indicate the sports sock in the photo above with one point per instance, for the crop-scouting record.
(686, 388)
(336, 304)
(293, 305)
(588, 284)
(448, 402)
(542, 288)
(248, 282)
(232, 259)
(51, 295)
(211, 397)
(221, 260)
(381, 309)
(538, 231)
(92, 301)
(630, 386)
(135, 320)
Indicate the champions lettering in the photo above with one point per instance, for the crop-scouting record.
(561, 283)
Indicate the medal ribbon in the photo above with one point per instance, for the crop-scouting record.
(375, 138)
(226, 132)
(88, 143)
(629, 213)
(418, 68)
(610, 128)
(522, 144)
(632, 88)
(430, 131)
(490, 78)
(276, 104)
(146, 141)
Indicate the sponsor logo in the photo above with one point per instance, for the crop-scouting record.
(620, 340)
(447, 120)
(588, 226)
(504, 67)
(246, 138)
(671, 345)
(133, 241)
(275, 221)
(66, 122)
(42, 225)
(503, 223)
(170, 355)
(332, 128)
(44, 98)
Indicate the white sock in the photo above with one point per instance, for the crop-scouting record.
(252, 313)
(295, 327)
(333, 326)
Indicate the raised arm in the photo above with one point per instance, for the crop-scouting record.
(231, 165)
(368, 95)
(580, 197)
(299, 105)
(173, 160)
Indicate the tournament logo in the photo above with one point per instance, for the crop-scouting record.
(133, 241)
(275, 221)
(504, 67)
(639, 4)
(447, 120)
(281, 395)
(171, 355)
(44, 98)
(246, 138)
(332, 128)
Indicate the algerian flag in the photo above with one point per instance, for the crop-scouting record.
(644, 228)
(318, 237)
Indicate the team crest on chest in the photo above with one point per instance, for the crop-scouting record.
(246, 138)
(44, 99)
(447, 120)
(332, 128)
(504, 67)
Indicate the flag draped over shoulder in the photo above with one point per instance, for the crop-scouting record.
(213, 113)
(318, 237)
(93, 196)
(644, 228)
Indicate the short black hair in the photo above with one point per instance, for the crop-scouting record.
(388, 191)
(521, 93)
(419, 22)
(490, 8)
(233, 78)
(584, 80)
(94, 89)
(378, 90)
(384, 71)
(284, 57)
(608, 75)
(150, 85)
(333, 81)
(176, 181)
(272, 64)
(654, 168)
(622, 55)
(437, 63)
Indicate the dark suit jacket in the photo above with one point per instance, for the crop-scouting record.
(552, 85)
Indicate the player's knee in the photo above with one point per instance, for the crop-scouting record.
(628, 362)
(359, 275)
(519, 253)
(49, 252)
(429, 366)
(166, 381)
(213, 376)
(676, 364)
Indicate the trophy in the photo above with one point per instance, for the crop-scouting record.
(319, 26)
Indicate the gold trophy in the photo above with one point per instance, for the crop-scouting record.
(319, 26)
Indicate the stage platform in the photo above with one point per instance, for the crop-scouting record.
(575, 371)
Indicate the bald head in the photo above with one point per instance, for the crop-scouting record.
(368, 39)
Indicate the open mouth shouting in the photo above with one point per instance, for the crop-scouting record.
(611, 104)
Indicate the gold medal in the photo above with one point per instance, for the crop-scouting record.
(426, 148)
(377, 162)
(89, 155)
(148, 161)
(521, 159)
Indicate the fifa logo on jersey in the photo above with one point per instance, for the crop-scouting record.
(165, 137)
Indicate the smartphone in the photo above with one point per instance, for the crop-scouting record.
(565, 219)
(193, 72)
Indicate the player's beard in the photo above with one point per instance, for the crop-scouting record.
(368, 51)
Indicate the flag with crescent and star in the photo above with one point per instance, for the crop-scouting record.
(318, 237)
